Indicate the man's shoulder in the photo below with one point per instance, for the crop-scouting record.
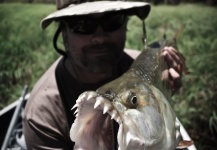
(44, 106)
(45, 94)
(45, 100)
(47, 82)
(132, 52)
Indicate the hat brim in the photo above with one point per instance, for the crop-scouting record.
(141, 9)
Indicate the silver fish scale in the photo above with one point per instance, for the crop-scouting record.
(144, 67)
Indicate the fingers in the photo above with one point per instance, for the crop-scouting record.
(172, 79)
(175, 65)
(172, 58)
(174, 75)
(175, 80)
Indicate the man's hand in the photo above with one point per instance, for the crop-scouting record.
(175, 66)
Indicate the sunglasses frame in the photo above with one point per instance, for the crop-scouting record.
(79, 26)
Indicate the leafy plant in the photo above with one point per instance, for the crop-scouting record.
(23, 48)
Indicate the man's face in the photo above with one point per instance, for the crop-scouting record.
(95, 42)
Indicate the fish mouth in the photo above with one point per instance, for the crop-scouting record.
(102, 124)
(97, 123)
(108, 111)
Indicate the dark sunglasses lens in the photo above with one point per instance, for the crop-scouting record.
(89, 26)
(113, 23)
(83, 26)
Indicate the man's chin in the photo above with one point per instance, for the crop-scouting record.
(100, 68)
(102, 64)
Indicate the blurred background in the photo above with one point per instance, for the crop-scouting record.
(27, 51)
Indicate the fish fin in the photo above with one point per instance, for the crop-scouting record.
(184, 144)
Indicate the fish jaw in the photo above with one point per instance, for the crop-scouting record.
(91, 129)
(93, 115)
(172, 124)
(93, 126)
(141, 129)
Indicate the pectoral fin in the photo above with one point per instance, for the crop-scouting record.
(184, 144)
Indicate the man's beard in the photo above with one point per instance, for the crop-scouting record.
(101, 58)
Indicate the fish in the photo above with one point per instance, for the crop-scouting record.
(131, 112)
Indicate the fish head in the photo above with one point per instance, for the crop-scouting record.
(136, 107)
(140, 117)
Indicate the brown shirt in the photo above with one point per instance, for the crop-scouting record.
(47, 118)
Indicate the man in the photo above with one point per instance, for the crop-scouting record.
(94, 35)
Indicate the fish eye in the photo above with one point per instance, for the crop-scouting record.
(134, 100)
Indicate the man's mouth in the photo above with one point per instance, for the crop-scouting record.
(100, 49)
(99, 52)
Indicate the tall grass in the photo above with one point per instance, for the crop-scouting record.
(26, 52)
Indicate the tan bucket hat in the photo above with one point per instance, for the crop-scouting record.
(84, 7)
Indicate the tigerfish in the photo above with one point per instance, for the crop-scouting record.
(137, 101)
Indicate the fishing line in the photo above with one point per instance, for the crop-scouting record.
(144, 34)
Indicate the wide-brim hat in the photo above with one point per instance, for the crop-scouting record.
(67, 8)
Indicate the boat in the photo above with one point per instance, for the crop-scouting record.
(11, 130)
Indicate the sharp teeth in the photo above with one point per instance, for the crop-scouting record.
(98, 102)
(90, 96)
(81, 97)
(118, 120)
(76, 105)
(106, 108)
(76, 111)
(113, 115)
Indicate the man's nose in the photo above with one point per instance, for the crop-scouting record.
(100, 36)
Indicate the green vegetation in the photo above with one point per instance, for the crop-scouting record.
(26, 52)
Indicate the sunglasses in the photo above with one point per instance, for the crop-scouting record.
(86, 25)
